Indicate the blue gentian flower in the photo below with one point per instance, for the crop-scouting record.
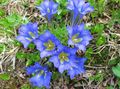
(28, 33)
(63, 59)
(41, 76)
(79, 8)
(78, 68)
(47, 44)
(48, 8)
(33, 69)
(78, 36)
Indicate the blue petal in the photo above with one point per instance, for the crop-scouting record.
(61, 68)
(64, 66)
(85, 33)
(23, 40)
(46, 53)
(71, 72)
(87, 38)
(41, 8)
(45, 36)
(32, 69)
(70, 31)
(72, 51)
(39, 44)
(77, 68)
(37, 80)
(80, 3)
(47, 79)
(84, 42)
(55, 61)
(70, 42)
(34, 27)
(53, 7)
(29, 27)
(87, 8)
(23, 30)
(81, 47)
(70, 5)
(81, 27)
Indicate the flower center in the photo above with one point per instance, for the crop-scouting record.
(75, 38)
(49, 45)
(63, 57)
(29, 39)
(41, 72)
(48, 10)
(32, 35)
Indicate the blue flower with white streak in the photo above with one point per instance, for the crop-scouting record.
(47, 44)
(48, 8)
(78, 68)
(28, 33)
(78, 36)
(41, 76)
(63, 60)
(79, 8)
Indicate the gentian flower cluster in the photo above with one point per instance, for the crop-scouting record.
(79, 8)
(41, 76)
(47, 44)
(63, 58)
(78, 36)
(48, 8)
(28, 33)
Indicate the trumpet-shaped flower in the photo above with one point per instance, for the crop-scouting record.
(63, 60)
(41, 76)
(33, 69)
(79, 8)
(28, 33)
(47, 44)
(78, 36)
(48, 8)
(78, 68)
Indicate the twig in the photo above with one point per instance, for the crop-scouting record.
(96, 67)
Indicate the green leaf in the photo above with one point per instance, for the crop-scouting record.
(101, 40)
(97, 77)
(32, 58)
(119, 83)
(62, 2)
(114, 61)
(21, 55)
(11, 21)
(2, 46)
(29, 62)
(31, 46)
(89, 53)
(55, 75)
(17, 43)
(110, 87)
(61, 33)
(5, 76)
(116, 1)
(25, 86)
(37, 2)
(98, 28)
(2, 12)
(4, 2)
(116, 70)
